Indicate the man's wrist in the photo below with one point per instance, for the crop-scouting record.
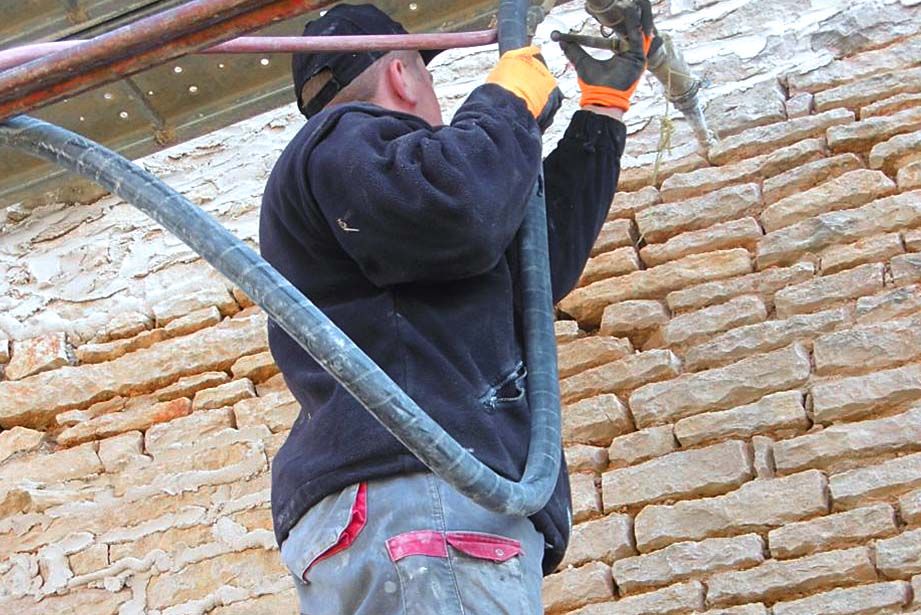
(611, 112)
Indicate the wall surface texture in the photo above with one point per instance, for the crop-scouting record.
(741, 363)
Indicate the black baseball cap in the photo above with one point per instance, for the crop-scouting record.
(341, 20)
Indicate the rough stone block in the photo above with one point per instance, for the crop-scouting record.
(776, 579)
(890, 105)
(899, 151)
(255, 367)
(780, 412)
(596, 420)
(760, 104)
(899, 557)
(875, 482)
(889, 305)
(636, 178)
(686, 185)
(607, 539)
(109, 351)
(37, 399)
(636, 447)
(615, 234)
(89, 560)
(194, 321)
(868, 347)
(577, 587)
(566, 331)
(586, 498)
(585, 458)
(187, 386)
(214, 294)
(685, 560)
(743, 233)
(182, 430)
(806, 176)
(18, 440)
(763, 448)
(245, 570)
(629, 204)
(878, 248)
(763, 283)
(223, 395)
(836, 531)
(673, 600)
(850, 442)
(68, 464)
(889, 214)
(909, 177)
(799, 105)
(910, 508)
(586, 304)
(852, 189)
(696, 473)
(859, 93)
(875, 599)
(861, 136)
(858, 66)
(659, 222)
(620, 261)
(692, 327)
(622, 375)
(823, 293)
(756, 506)
(633, 317)
(745, 609)
(87, 600)
(276, 410)
(36, 355)
(720, 388)
(138, 418)
(119, 451)
(591, 352)
(857, 396)
(123, 325)
(765, 139)
(905, 269)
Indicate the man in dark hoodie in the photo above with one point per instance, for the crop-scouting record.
(401, 229)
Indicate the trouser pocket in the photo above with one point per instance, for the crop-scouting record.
(459, 572)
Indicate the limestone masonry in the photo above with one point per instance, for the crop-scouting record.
(740, 364)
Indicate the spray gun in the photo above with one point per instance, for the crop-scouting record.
(665, 61)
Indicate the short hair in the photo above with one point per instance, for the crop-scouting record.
(362, 88)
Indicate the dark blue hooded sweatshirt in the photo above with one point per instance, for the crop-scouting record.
(403, 234)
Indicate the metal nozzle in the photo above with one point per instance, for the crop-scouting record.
(666, 63)
(681, 87)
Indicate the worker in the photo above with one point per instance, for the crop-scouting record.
(401, 229)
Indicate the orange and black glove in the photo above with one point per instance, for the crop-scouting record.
(611, 83)
(523, 73)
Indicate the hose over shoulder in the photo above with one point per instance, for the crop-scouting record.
(302, 320)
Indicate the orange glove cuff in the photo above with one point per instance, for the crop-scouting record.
(605, 97)
(525, 76)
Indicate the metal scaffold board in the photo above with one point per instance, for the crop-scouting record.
(174, 102)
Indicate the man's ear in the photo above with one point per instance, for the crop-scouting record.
(401, 82)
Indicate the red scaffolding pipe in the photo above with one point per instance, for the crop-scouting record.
(288, 44)
(138, 46)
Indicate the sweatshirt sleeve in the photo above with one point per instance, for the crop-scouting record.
(409, 202)
(581, 175)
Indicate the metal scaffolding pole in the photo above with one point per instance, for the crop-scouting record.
(289, 44)
(138, 46)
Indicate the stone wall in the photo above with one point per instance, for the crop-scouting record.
(740, 364)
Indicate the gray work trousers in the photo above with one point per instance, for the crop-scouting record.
(412, 545)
